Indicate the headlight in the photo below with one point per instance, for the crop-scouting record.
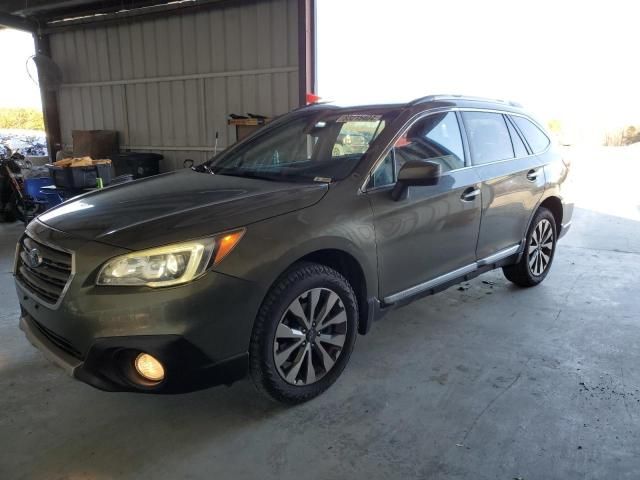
(169, 265)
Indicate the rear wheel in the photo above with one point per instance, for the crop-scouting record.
(304, 333)
(540, 248)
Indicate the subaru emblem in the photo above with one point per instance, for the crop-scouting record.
(35, 258)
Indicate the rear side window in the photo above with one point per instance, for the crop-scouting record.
(536, 138)
(489, 137)
(518, 144)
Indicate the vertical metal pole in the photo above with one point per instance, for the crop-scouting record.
(307, 79)
(125, 109)
(49, 100)
(204, 127)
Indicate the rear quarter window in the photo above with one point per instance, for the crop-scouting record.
(536, 138)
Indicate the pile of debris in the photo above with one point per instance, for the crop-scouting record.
(30, 143)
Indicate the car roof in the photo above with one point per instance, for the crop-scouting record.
(426, 103)
(463, 101)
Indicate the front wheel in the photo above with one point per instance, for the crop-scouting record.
(304, 333)
(538, 254)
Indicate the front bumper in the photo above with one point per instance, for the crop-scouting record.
(200, 331)
(109, 363)
(68, 362)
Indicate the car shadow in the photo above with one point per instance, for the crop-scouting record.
(76, 429)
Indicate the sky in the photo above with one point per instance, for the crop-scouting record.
(16, 87)
(571, 60)
(562, 59)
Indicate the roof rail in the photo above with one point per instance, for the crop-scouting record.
(327, 103)
(433, 98)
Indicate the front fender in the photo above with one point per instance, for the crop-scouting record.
(271, 246)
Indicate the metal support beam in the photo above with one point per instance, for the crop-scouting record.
(307, 80)
(49, 103)
(18, 23)
(131, 11)
(190, 76)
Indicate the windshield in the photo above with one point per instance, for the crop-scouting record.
(310, 147)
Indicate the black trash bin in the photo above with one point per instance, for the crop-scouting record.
(138, 164)
(80, 177)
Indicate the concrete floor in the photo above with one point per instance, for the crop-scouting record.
(491, 382)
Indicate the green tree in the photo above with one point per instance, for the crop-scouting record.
(21, 118)
(631, 135)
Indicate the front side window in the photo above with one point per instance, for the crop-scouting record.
(537, 140)
(304, 147)
(435, 138)
(489, 138)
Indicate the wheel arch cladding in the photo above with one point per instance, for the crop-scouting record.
(347, 265)
(554, 205)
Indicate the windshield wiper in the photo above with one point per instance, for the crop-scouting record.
(258, 176)
(203, 168)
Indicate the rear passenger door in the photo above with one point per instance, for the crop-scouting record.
(512, 181)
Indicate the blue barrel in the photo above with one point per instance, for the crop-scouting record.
(52, 197)
(32, 187)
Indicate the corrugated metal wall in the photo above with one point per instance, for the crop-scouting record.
(168, 84)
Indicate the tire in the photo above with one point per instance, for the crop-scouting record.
(537, 258)
(293, 364)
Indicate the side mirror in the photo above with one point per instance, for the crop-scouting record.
(416, 173)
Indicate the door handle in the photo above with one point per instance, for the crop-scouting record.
(470, 194)
(532, 174)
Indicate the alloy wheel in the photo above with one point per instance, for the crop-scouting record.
(541, 247)
(310, 336)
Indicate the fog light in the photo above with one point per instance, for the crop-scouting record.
(149, 367)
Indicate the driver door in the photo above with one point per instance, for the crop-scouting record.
(432, 231)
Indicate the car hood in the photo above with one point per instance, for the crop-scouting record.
(177, 206)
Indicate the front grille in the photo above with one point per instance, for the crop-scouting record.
(60, 342)
(47, 280)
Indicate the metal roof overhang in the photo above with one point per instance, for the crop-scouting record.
(43, 16)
